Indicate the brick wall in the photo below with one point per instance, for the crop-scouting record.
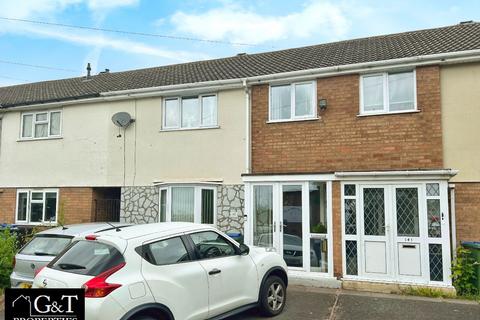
(76, 204)
(340, 140)
(7, 205)
(337, 228)
(467, 211)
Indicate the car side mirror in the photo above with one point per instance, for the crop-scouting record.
(244, 249)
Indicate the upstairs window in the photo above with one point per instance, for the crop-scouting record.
(190, 112)
(294, 101)
(388, 93)
(41, 125)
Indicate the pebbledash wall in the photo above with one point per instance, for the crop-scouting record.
(141, 205)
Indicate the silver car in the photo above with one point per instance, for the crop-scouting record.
(46, 245)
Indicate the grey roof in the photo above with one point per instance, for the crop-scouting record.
(461, 37)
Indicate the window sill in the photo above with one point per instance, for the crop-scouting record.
(38, 139)
(293, 120)
(387, 113)
(46, 224)
(190, 129)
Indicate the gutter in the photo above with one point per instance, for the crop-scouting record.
(446, 173)
(434, 59)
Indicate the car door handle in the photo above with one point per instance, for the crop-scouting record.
(214, 271)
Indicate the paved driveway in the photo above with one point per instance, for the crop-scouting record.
(325, 304)
(312, 303)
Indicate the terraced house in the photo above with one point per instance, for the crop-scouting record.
(357, 160)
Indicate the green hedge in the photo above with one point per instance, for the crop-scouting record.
(8, 248)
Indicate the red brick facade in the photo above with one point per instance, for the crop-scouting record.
(467, 211)
(7, 205)
(337, 228)
(341, 140)
(75, 205)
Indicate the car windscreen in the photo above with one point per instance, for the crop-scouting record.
(88, 258)
(46, 245)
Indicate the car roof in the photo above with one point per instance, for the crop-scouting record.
(82, 228)
(163, 228)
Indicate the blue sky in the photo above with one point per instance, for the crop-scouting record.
(263, 24)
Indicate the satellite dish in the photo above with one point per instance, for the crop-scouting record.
(122, 119)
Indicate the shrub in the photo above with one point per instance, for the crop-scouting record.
(8, 248)
(463, 273)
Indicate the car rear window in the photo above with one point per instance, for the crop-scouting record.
(88, 258)
(46, 245)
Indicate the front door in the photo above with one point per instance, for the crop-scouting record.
(407, 232)
(279, 220)
(291, 224)
(376, 232)
(403, 233)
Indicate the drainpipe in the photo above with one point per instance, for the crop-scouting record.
(453, 225)
(247, 126)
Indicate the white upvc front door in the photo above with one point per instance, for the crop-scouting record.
(401, 232)
(375, 232)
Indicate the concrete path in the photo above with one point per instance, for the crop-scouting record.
(327, 304)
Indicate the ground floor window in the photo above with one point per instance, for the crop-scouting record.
(37, 206)
(188, 203)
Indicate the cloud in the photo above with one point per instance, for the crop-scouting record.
(29, 8)
(110, 4)
(96, 41)
(236, 24)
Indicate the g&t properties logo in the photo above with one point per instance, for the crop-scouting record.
(43, 304)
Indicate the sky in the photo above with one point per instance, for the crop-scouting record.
(225, 28)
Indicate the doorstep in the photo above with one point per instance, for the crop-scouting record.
(310, 279)
(391, 287)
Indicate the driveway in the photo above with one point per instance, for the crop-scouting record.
(312, 303)
(327, 304)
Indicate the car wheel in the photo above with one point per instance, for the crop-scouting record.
(273, 296)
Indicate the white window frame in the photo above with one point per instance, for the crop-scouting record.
(48, 122)
(292, 102)
(386, 98)
(29, 203)
(179, 107)
(197, 215)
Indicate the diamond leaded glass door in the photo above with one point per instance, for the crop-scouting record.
(375, 232)
(407, 233)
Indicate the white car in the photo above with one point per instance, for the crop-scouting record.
(45, 245)
(168, 271)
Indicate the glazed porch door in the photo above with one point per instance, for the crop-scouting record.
(403, 233)
(278, 219)
(408, 244)
(375, 232)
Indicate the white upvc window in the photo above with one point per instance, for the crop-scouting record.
(41, 124)
(36, 206)
(190, 112)
(188, 203)
(294, 101)
(388, 93)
